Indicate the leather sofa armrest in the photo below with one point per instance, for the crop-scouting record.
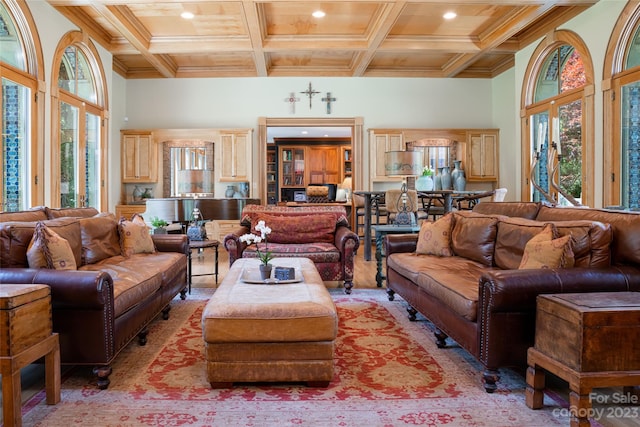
(516, 290)
(171, 243)
(394, 243)
(91, 290)
(233, 245)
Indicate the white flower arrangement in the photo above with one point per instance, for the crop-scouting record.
(250, 238)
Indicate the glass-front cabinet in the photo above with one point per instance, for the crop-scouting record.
(292, 167)
(272, 174)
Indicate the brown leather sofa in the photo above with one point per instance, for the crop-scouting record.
(320, 233)
(486, 304)
(109, 300)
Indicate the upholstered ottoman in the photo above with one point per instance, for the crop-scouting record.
(270, 332)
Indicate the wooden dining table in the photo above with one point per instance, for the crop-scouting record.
(447, 196)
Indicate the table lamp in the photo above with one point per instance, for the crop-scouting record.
(405, 164)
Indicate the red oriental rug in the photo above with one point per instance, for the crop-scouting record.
(388, 373)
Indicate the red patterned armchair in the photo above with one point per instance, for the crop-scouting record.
(320, 233)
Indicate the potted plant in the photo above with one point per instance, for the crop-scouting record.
(264, 256)
(159, 225)
(425, 181)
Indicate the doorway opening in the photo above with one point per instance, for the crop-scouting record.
(284, 127)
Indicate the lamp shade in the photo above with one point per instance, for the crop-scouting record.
(403, 163)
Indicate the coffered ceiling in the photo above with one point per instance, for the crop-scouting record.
(392, 38)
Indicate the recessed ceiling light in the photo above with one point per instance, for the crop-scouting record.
(186, 15)
(318, 14)
(449, 15)
(304, 132)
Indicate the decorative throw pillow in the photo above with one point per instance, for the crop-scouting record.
(543, 251)
(435, 237)
(135, 237)
(317, 228)
(48, 250)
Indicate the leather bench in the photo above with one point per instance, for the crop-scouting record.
(270, 332)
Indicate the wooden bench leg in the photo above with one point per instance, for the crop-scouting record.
(534, 394)
(11, 396)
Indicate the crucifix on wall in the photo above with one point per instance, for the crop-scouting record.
(310, 93)
(329, 99)
(292, 102)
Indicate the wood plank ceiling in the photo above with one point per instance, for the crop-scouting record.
(357, 38)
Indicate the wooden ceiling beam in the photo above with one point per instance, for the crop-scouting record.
(388, 16)
(501, 31)
(132, 30)
(255, 23)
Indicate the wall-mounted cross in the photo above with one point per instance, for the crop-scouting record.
(328, 99)
(292, 102)
(310, 92)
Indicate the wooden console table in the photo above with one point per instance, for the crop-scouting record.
(590, 340)
(26, 336)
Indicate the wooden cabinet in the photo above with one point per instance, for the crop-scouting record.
(236, 157)
(272, 173)
(347, 162)
(482, 156)
(323, 164)
(139, 158)
(379, 144)
(292, 167)
(127, 211)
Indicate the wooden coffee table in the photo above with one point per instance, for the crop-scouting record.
(257, 332)
(590, 340)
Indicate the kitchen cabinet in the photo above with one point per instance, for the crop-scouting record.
(236, 156)
(139, 158)
(482, 156)
(380, 143)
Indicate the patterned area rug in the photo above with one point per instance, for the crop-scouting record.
(388, 373)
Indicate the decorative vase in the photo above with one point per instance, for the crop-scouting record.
(437, 182)
(456, 171)
(137, 194)
(424, 183)
(445, 179)
(230, 191)
(460, 183)
(265, 271)
(146, 194)
(458, 176)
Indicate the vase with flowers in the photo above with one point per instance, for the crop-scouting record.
(265, 255)
(425, 181)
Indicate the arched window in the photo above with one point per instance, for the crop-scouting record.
(79, 113)
(557, 124)
(20, 60)
(622, 112)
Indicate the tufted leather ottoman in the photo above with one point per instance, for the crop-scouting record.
(270, 333)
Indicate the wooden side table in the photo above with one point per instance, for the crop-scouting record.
(25, 336)
(590, 340)
(201, 245)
